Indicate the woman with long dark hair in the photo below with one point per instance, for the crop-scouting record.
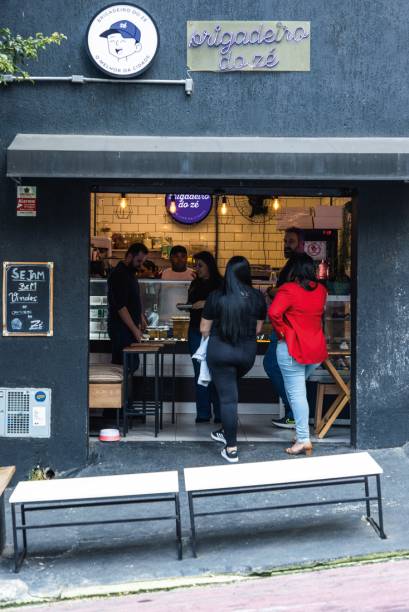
(232, 316)
(296, 315)
(208, 278)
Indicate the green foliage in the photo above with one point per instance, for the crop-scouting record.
(15, 50)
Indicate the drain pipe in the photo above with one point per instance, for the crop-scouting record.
(79, 79)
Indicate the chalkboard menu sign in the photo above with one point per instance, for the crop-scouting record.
(28, 298)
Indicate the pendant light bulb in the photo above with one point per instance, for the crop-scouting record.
(276, 203)
(223, 208)
(124, 209)
(172, 207)
(123, 203)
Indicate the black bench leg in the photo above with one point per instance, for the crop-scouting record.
(378, 527)
(368, 503)
(18, 558)
(16, 554)
(192, 524)
(23, 523)
(380, 511)
(178, 526)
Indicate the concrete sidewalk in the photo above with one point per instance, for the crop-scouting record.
(108, 559)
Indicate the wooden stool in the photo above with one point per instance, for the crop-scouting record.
(323, 389)
(343, 394)
(105, 388)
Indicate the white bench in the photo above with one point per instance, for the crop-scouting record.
(351, 468)
(92, 492)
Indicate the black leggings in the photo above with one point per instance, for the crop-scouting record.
(228, 363)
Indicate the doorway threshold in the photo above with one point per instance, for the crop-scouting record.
(251, 428)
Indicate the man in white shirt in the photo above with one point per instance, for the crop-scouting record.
(179, 269)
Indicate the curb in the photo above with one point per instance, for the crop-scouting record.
(17, 591)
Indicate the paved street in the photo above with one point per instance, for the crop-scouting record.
(379, 586)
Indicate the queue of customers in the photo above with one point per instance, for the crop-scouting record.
(230, 313)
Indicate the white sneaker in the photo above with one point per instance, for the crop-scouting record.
(230, 456)
(218, 436)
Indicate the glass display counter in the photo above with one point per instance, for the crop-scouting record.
(337, 328)
(160, 298)
(159, 303)
(98, 310)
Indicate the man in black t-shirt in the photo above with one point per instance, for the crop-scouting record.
(124, 300)
(293, 243)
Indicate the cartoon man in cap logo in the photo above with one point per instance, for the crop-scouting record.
(123, 39)
(123, 48)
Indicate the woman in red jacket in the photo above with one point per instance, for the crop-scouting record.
(296, 315)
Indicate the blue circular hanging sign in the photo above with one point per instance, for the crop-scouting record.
(190, 208)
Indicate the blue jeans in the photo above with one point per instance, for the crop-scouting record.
(295, 374)
(272, 369)
(205, 396)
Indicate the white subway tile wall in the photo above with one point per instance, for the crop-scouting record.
(261, 243)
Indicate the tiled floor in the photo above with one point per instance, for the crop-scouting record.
(252, 428)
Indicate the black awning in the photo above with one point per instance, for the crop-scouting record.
(241, 158)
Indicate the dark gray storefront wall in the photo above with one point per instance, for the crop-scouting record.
(357, 87)
(382, 316)
(60, 233)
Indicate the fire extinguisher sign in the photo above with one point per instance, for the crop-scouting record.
(26, 201)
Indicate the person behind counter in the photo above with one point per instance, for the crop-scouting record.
(293, 243)
(178, 270)
(148, 269)
(124, 301)
(296, 315)
(208, 278)
(232, 316)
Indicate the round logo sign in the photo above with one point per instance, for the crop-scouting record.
(40, 396)
(189, 208)
(122, 40)
(316, 250)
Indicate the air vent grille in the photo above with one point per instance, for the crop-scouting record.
(18, 417)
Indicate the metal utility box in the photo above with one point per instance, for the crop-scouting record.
(25, 412)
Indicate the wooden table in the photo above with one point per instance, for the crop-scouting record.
(157, 348)
(131, 407)
(341, 400)
(6, 474)
(167, 347)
